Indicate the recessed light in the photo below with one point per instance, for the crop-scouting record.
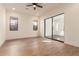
(13, 8)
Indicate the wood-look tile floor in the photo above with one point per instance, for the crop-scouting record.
(37, 47)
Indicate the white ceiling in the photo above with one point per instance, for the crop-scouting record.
(21, 7)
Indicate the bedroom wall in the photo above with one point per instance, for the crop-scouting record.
(2, 24)
(25, 26)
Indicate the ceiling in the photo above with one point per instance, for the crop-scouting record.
(21, 7)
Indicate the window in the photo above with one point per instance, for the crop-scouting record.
(35, 25)
(13, 23)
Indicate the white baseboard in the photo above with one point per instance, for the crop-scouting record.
(72, 44)
(24, 38)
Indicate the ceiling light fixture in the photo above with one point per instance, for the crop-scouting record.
(34, 5)
(13, 8)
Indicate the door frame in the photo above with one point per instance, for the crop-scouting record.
(52, 27)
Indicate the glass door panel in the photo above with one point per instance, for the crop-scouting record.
(48, 28)
(58, 27)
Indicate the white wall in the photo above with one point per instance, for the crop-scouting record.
(71, 12)
(41, 28)
(25, 26)
(72, 25)
(2, 24)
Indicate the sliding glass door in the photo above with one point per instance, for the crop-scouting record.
(48, 28)
(54, 27)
